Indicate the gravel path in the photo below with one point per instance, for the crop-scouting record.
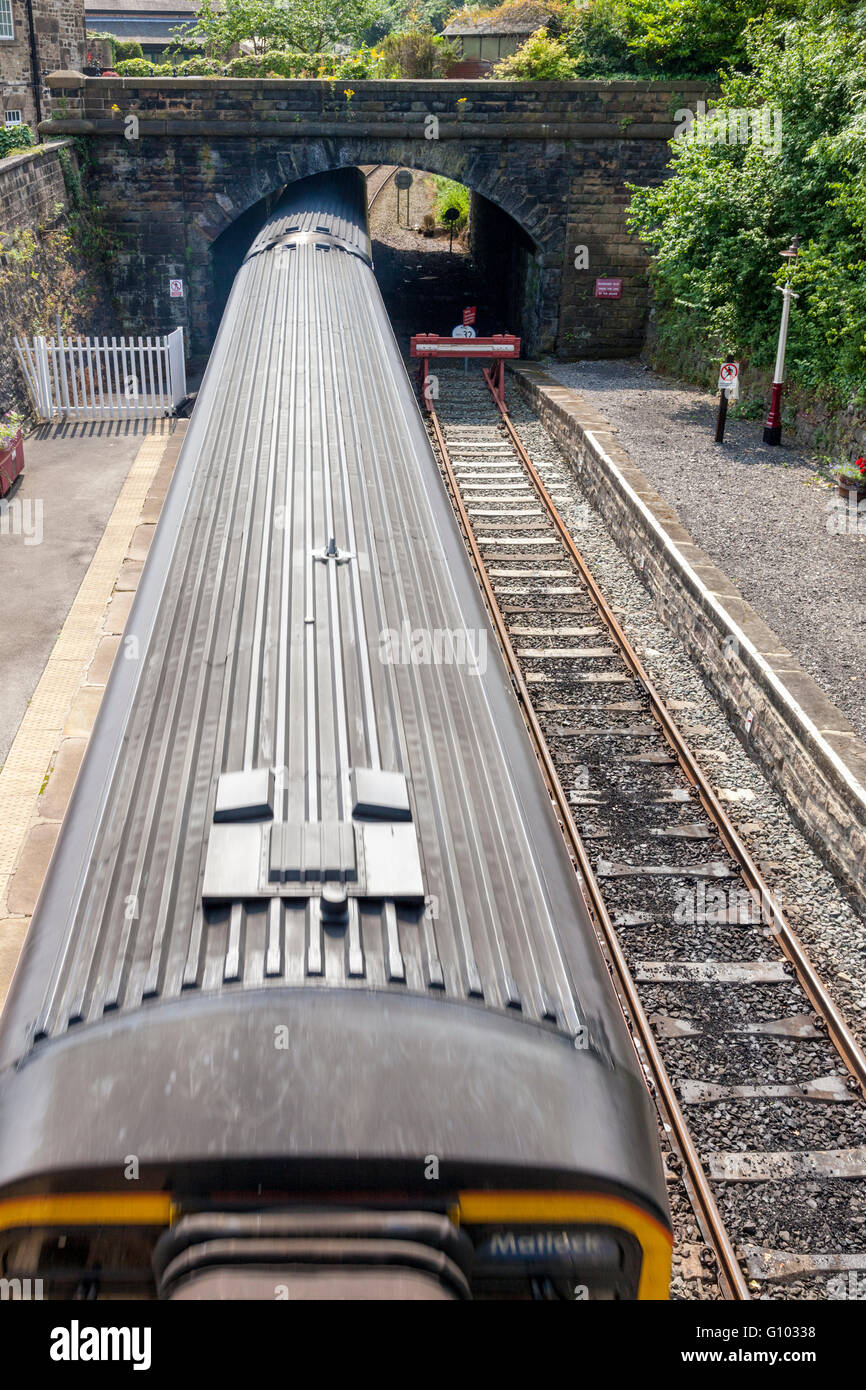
(762, 514)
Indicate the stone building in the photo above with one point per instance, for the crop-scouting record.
(36, 37)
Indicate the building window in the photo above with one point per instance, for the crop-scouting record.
(12, 118)
(6, 28)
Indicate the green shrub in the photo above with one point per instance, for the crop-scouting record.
(716, 227)
(416, 52)
(666, 38)
(190, 67)
(125, 49)
(15, 137)
(598, 40)
(136, 67)
(697, 38)
(451, 195)
(540, 59)
(322, 65)
(199, 67)
(277, 63)
(360, 64)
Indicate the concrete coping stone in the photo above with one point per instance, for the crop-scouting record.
(311, 124)
(64, 79)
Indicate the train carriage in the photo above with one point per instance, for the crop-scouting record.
(311, 1000)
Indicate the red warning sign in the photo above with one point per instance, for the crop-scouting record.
(729, 373)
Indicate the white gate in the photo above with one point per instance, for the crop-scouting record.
(97, 379)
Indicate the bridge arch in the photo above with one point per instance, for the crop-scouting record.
(505, 255)
(265, 177)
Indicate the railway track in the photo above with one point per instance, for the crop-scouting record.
(378, 177)
(758, 1080)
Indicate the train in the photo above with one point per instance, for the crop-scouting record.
(311, 1004)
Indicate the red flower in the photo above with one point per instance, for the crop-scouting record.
(861, 464)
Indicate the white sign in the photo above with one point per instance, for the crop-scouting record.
(463, 330)
(175, 289)
(729, 376)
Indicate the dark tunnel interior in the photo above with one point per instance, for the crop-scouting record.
(425, 287)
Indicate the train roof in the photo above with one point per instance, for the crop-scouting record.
(309, 796)
(315, 696)
(309, 703)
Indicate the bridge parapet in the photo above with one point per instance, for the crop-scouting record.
(178, 159)
(479, 109)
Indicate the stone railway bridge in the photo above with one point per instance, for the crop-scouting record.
(547, 163)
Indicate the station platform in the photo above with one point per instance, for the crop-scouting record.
(76, 535)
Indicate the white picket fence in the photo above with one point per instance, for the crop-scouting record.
(102, 379)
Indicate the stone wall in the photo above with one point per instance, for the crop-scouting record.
(43, 273)
(61, 38)
(33, 199)
(177, 160)
(32, 187)
(806, 747)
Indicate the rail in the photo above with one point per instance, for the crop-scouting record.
(702, 1196)
(645, 1044)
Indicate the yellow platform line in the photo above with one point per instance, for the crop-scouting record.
(40, 730)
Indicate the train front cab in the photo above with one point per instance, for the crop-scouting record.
(483, 1244)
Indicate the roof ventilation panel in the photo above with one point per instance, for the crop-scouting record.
(378, 795)
(245, 795)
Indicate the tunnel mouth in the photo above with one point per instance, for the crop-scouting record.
(494, 267)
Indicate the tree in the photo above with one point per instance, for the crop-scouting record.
(310, 26)
(716, 227)
(698, 37)
(597, 38)
(398, 15)
(667, 38)
(415, 52)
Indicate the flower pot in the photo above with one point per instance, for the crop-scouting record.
(852, 487)
(11, 462)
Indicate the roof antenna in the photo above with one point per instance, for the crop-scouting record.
(333, 552)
